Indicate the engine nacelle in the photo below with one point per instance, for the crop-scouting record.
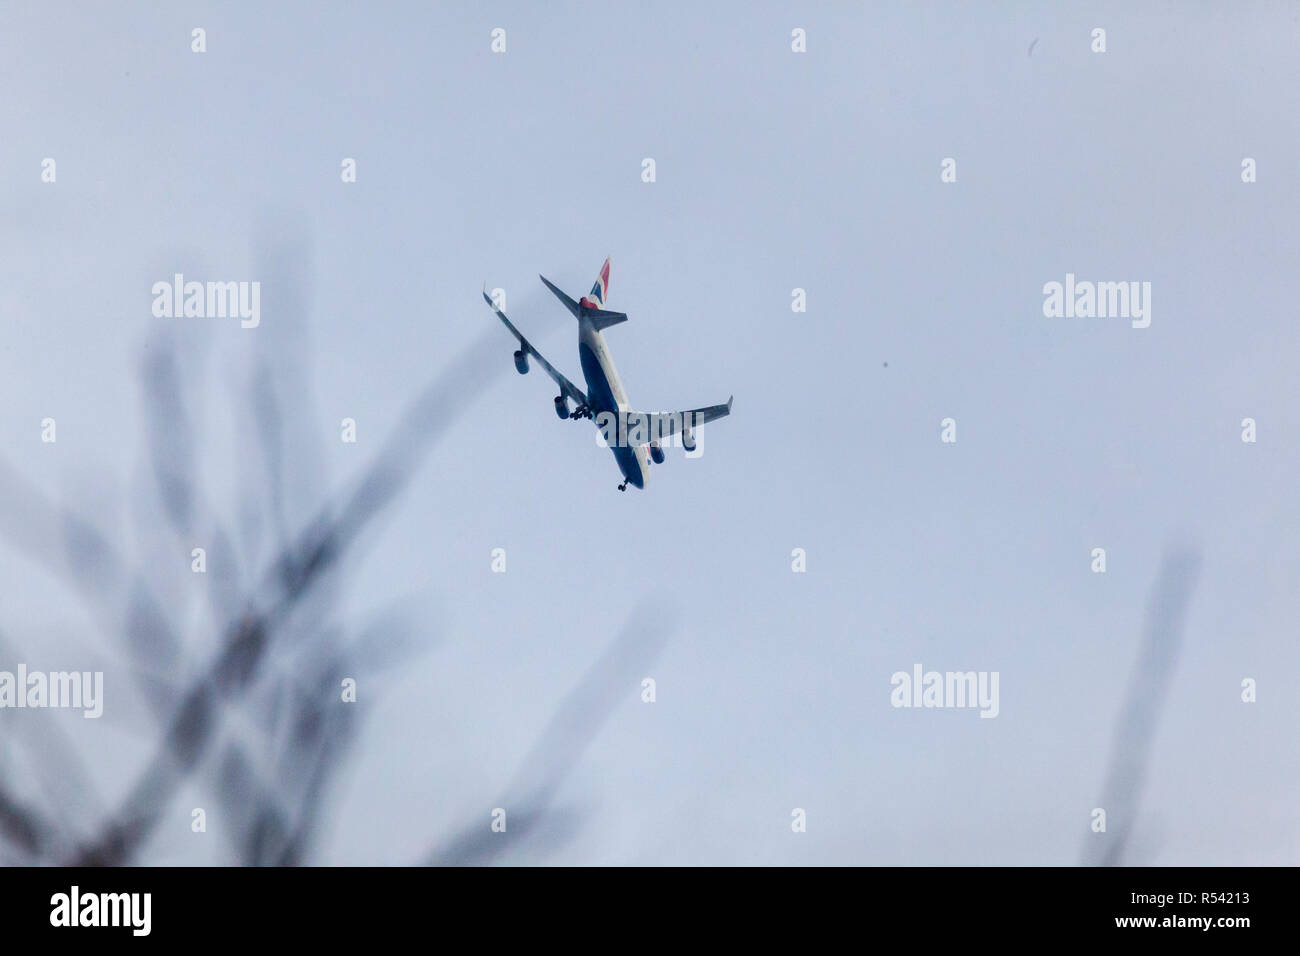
(521, 362)
(561, 406)
(688, 438)
(656, 453)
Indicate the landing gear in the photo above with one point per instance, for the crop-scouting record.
(623, 486)
(582, 411)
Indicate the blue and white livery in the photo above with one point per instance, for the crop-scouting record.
(634, 437)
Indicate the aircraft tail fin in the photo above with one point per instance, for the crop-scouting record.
(591, 305)
(595, 299)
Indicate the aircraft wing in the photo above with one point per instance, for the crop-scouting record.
(664, 424)
(571, 391)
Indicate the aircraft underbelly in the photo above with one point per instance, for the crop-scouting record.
(605, 394)
(604, 390)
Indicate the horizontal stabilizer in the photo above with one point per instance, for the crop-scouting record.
(599, 317)
(559, 294)
(602, 319)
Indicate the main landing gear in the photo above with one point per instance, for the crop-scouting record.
(623, 486)
(582, 411)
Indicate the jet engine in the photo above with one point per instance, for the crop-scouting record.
(561, 406)
(521, 362)
(688, 438)
(656, 453)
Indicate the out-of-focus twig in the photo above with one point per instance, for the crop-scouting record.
(577, 721)
(1149, 683)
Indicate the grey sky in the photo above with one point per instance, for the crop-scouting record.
(775, 170)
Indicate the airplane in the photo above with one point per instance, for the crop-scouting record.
(632, 436)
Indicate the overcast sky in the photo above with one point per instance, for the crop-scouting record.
(775, 170)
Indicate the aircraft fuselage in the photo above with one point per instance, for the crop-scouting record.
(605, 394)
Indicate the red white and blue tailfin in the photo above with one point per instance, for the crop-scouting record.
(595, 299)
(591, 307)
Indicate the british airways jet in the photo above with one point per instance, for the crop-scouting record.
(634, 437)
